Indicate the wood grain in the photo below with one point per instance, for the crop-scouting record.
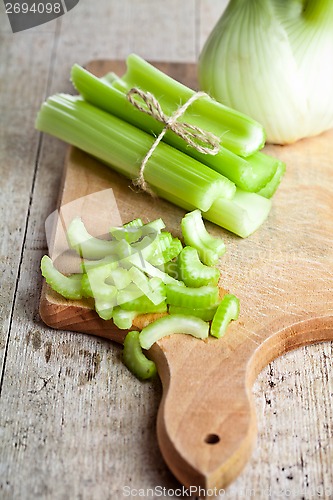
(192, 417)
(74, 423)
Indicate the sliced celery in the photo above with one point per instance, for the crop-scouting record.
(250, 174)
(227, 311)
(132, 297)
(167, 254)
(151, 270)
(128, 295)
(168, 325)
(101, 290)
(122, 146)
(68, 287)
(196, 235)
(238, 132)
(135, 360)
(141, 304)
(123, 319)
(104, 309)
(206, 314)
(192, 272)
(171, 268)
(85, 285)
(152, 288)
(204, 296)
(86, 245)
(120, 277)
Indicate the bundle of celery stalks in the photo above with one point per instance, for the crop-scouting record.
(232, 188)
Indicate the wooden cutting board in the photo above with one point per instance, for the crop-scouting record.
(283, 276)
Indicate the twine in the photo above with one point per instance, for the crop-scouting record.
(203, 141)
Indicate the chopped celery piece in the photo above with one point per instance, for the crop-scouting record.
(87, 264)
(128, 294)
(123, 319)
(206, 314)
(242, 215)
(121, 278)
(170, 252)
(135, 360)
(171, 268)
(151, 288)
(146, 247)
(192, 272)
(67, 286)
(132, 233)
(101, 290)
(269, 189)
(151, 270)
(85, 285)
(238, 132)
(154, 226)
(196, 235)
(227, 311)
(133, 223)
(203, 296)
(250, 174)
(168, 325)
(86, 245)
(104, 309)
(132, 299)
(122, 146)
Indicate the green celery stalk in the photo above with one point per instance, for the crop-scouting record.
(242, 215)
(269, 189)
(122, 146)
(250, 174)
(238, 132)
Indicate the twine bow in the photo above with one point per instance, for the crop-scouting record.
(203, 141)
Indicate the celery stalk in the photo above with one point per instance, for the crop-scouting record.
(242, 215)
(250, 174)
(122, 146)
(269, 189)
(238, 132)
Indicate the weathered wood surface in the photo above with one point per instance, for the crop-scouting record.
(74, 422)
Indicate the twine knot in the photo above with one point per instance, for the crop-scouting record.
(203, 141)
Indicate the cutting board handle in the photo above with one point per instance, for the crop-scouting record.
(206, 422)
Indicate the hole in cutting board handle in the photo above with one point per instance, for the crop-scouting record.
(212, 439)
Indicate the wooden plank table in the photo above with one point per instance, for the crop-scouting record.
(74, 422)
